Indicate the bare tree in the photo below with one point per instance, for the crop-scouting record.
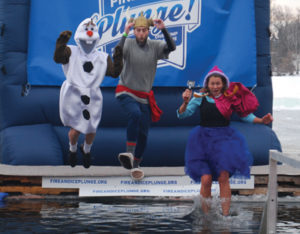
(285, 32)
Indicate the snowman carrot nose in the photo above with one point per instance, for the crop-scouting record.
(89, 33)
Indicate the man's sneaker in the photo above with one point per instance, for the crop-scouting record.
(126, 160)
(137, 173)
(72, 157)
(86, 158)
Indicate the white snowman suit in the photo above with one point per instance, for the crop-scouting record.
(80, 103)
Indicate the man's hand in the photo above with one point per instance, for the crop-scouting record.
(159, 23)
(128, 26)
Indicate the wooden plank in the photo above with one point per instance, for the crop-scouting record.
(288, 189)
(255, 191)
(22, 179)
(261, 179)
(291, 179)
(296, 193)
(36, 190)
(263, 190)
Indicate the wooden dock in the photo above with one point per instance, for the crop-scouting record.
(24, 180)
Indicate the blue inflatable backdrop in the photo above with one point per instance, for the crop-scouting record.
(231, 34)
(205, 32)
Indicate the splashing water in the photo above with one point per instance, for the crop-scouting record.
(139, 215)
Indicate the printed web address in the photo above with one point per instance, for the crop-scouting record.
(144, 191)
(121, 191)
(77, 181)
(148, 182)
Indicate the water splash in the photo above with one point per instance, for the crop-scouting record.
(141, 215)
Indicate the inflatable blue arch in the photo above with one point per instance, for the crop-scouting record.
(31, 132)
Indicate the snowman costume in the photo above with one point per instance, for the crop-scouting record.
(80, 103)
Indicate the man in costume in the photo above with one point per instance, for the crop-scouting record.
(84, 66)
(134, 90)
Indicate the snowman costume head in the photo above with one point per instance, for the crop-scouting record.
(87, 36)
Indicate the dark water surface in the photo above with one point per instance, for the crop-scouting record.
(140, 215)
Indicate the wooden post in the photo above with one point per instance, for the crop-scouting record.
(272, 196)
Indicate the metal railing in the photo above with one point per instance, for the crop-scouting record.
(269, 217)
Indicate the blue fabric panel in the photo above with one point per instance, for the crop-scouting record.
(40, 106)
(198, 47)
(166, 146)
(16, 18)
(109, 142)
(265, 98)
(112, 116)
(15, 66)
(263, 91)
(262, 19)
(264, 71)
(260, 138)
(30, 145)
(169, 100)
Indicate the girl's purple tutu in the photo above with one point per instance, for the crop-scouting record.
(211, 150)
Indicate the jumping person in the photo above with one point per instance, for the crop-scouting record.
(80, 103)
(214, 150)
(134, 90)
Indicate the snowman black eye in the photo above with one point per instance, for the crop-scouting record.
(92, 29)
(86, 29)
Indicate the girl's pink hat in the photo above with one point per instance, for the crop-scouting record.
(213, 71)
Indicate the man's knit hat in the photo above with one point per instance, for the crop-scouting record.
(215, 71)
(141, 21)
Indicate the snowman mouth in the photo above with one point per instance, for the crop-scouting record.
(89, 42)
(87, 45)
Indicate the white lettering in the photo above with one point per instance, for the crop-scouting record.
(112, 2)
(119, 2)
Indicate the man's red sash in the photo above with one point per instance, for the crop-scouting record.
(155, 111)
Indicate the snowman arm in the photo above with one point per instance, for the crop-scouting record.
(62, 52)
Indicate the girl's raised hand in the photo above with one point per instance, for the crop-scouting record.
(268, 118)
(186, 95)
